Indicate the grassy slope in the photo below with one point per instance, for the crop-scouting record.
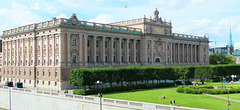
(188, 100)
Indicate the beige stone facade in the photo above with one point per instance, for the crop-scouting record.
(41, 54)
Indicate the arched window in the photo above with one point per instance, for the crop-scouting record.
(157, 60)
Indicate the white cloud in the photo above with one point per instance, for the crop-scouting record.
(73, 3)
(61, 16)
(237, 45)
(102, 18)
(35, 6)
(17, 15)
(197, 1)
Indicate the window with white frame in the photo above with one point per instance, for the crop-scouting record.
(50, 42)
(57, 59)
(44, 42)
(50, 59)
(39, 43)
(56, 41)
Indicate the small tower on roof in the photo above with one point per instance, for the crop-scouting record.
(231, 45)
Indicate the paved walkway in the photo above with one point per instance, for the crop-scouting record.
(222, 97)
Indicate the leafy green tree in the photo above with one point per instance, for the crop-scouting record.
(182, 73)
(221, 59)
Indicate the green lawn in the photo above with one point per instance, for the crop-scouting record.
(187, 100)
(231, 96)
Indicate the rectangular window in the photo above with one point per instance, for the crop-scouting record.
(97, 43)
(114, 44)
(105, 43)
(50, 42)
(38, 59)
(50, 60)
(49, 74)
(97, 59)
(44, 42)
(25, 44)
(56, 73)
(129, 59)
(26, 60)
(57, 59)
(106, 59)
(129, 45)
(55, 83)
(44, 61)
(30, 72)
(114, 59)
(43, 72)
(56, 41)
(88, 43)
(74, 58)
(88, 59)
(24, 72)
(74, 41)
(39, 43)
(31, 43)
(168, 47)
(121, 58)
(38, 73)
(32, 60)
(148, 46)
(148, 59)
(121, 45)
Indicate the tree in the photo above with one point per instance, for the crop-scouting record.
(182, 72)
(221, 59)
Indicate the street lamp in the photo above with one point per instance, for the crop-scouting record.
(228, 99)
(100, 94)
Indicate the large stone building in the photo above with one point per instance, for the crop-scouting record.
(41, 54)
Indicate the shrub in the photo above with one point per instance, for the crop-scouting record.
(197, 80)
(205, 89)
(209, 80)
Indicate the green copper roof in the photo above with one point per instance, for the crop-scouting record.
(236, 53)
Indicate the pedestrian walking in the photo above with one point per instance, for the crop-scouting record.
(173, 102)
(170, 102)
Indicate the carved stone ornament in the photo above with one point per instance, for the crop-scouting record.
(159, 50)
(73, 19)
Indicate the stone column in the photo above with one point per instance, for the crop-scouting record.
(41, 50)
(53, 49)
(134, 51)
(183, 55)
(85, 49)
(47, 50)
(191, 57)
(174, 53)
(94, 50)
(143, 52)
(166, 52)
(178, 53)
(111, 50)
(195, 53)
(127, 51)
(187, 53)
(23, 46)
(61, 48)
(4, 53)
(103, 49)
(34, 52)
(10, 53)
(17, 54)
(14, 53)
(80, 47)
(152, 48)
(119, 50)
(171, 51)
(69, 49)
(6, 43)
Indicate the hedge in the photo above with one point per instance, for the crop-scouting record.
(132, 74)
(121, 88)
(206, 89)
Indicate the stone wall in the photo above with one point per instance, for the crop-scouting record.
(25, 99)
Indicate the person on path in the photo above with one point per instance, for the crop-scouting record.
(173, 102)
(170, 102)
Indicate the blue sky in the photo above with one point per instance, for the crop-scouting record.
(195, 17)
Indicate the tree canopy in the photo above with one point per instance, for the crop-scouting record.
(221, 59)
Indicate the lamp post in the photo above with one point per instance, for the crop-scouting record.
(100, 95)
(228, 99)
